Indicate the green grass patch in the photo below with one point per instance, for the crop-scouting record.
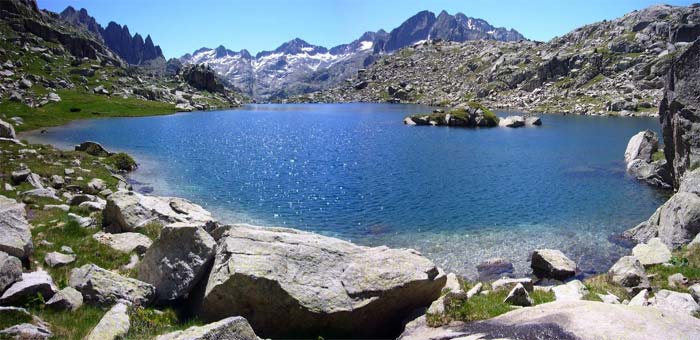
(70, 325)
(685, 261)
(147, 322)
(600, 284)
(152, 230)
(659, 155)
(82, 105)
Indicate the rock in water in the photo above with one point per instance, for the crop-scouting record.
(103, 287)
(642, 146)
(552, 264)
(676, 222)
(31, 284)
(519, 297)
(319, 286)
(66, 299)
(10, 270)
(230, 328)
(512, 121)
(651, 253)
(15, 235)
(629, 273)
(128, 211)
(177, 260)
(113, 325)
(680, 113)
(93, 148)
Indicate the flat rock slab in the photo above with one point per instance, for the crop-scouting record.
(567, 320)
(15, 234)
(319, 286)
(230, 328)
(103, 287)
(31, 284)
(124, 242)
(128, 211)
(55, 259)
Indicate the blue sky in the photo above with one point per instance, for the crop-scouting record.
(181, 26)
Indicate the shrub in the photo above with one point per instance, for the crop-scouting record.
(658, 155)
(122, 162)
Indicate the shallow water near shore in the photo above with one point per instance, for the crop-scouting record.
(354, 171)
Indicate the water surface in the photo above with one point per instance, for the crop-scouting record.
(354, 171)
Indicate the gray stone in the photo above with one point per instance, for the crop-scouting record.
(642, 146)
(10, 270)
(31, 284)
(586, 320)
(677, 280)
(56, 259)
(571, 291)
(15, 234)
(609, 298)
(124, 242)
(128, 211)
(675, 302)
(641, 299)
(508, 283)
(235, 327)
(177, 260)
(66, 299)
(93, 148)
(103, 287)
(518, 296)
(628, 272)
(452, 290)
(512, 122)
(536, 121)
(42, 193)
(82, 221)
(347, 290)
(676, 222)
(93, 206)
(7, 130)
(96, 185)
(26, 331)
(652, 252)
(113, 325)
(62, 207)
(694, 291)
(57, 182)
(552, 264)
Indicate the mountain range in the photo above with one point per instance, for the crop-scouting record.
(133, 49)
(298, 67)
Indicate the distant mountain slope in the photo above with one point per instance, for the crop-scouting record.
(133, 49)
(610, 67)
(298, 67)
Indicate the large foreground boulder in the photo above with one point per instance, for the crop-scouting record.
(177, 260)
(103, 287)
(128, 211)
(15, 234)
(289, 283)
(567, 320)
(675, 223)
(236, 328)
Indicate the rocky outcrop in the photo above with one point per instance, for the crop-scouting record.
(103, 287)
(640, 163)
(128, 211)
(230, 328)
(677, 221)
(467, 116)
(552, 263)
(202, 77)
(318, 285)
(177, 260)
(680, 114)
(586, 320)
(15, 235)
(642, 146)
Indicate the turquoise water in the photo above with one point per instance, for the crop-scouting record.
(354, 171)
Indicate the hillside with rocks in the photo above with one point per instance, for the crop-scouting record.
(55, 71)
(298, 67)
(611, 67)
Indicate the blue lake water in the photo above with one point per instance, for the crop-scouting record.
(354, 171)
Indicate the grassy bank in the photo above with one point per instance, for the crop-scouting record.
(81, 105)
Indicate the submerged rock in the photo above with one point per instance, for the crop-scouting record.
(346, 291)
